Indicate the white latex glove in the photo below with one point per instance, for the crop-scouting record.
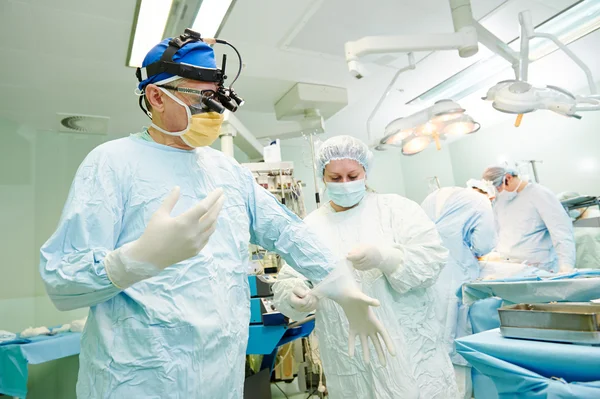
(34, 332)
(368, 257)
(166, 240)
(340, 287)
(78, 325)
(302, 300)
(62, 329)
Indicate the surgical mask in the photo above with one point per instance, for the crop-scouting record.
(347, 194)
(202, 129)
(574, 214)
(506, 195)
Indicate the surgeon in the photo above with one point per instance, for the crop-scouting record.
(533, 227)
(587, 238)
(154, 239)
(483, 187)
(397, 255)
(465, 220)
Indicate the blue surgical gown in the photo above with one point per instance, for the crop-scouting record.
(465, 222)
(535, 228)
(183, 333)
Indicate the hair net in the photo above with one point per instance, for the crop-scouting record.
(195, 53)
(343, 147)
(482, 185)
(495, 174)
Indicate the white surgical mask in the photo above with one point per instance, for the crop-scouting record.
(506, 195)
(347, 194)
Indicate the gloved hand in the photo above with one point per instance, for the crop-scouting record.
(363, 323)
(166, 240)
(302, 300)
(366, 257)
(341, 287)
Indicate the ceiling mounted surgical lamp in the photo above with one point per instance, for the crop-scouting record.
(445, 119)
(467, 34)
(519, 97)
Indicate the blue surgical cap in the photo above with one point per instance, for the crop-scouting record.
(343, 147)
(496, 174)
(195, 53)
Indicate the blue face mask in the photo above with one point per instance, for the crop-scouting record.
(347, 194)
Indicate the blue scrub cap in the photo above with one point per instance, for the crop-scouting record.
(495, 174)
(343, 147)
(198, 54)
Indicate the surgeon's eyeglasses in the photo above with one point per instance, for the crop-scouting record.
(200, 100)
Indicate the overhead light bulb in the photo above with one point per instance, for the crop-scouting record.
(426, 129)
(416, 145)
(465, 125)
(396, 139)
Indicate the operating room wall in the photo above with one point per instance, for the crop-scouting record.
(569, 149)
(36, 168)
(420, 168)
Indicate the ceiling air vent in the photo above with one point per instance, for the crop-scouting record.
(82, 124)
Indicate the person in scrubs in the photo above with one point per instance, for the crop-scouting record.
(465, 220)
(397, 255)
(533, 227)
(154, 239)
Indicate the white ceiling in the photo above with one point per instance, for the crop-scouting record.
(69, 55)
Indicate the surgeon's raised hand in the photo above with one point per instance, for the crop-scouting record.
(166, 240)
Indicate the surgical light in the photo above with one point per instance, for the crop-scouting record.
(520, 97)
(461, 126)
(434, 124)
(397, 138)
(570, 25)
(415, 145)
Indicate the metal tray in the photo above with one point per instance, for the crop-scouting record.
(563, 336)
(572, 322)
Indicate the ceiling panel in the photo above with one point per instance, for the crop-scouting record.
(338, 21)
(265, 22)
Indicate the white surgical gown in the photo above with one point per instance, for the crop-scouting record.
(535, 228)
(465, 221)
(422, 368)
(183, 333)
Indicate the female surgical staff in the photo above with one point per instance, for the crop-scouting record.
(397, 256)
(533, 227)
(465, 221)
